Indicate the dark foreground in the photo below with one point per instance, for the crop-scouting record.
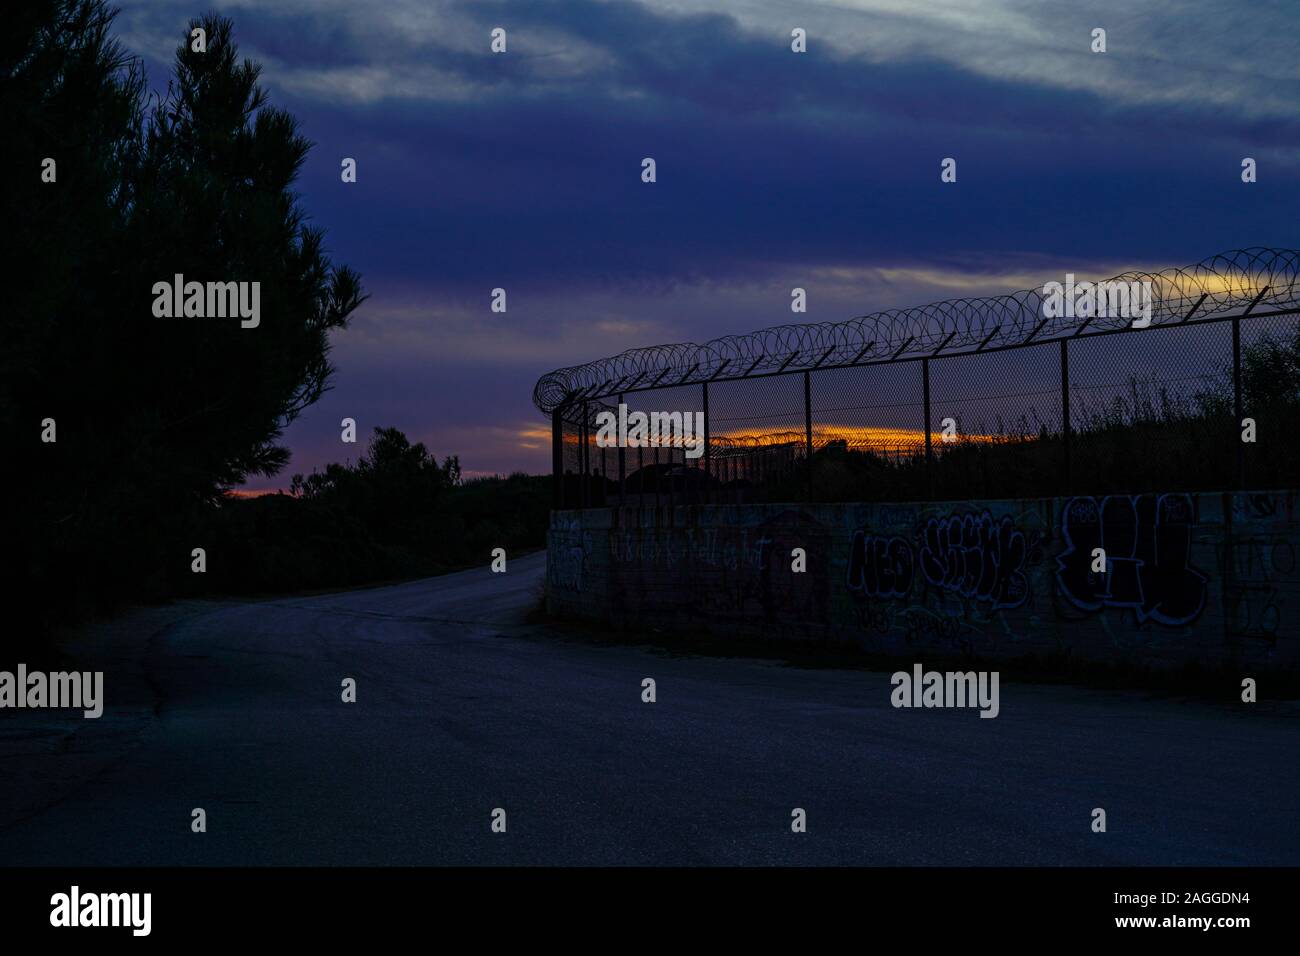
(462, 708)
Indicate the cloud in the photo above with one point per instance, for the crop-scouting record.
(776, 170)
(1163, 58)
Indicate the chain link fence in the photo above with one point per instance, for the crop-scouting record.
(971, 398)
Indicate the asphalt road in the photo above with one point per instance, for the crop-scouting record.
(462, 707)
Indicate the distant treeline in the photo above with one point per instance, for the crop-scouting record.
(396, 513)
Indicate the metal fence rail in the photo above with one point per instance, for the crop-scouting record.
(968, 397)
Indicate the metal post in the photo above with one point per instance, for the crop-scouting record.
(1236, 402)
(622, 466)
(707, 467)
(658, 475)
(584, 462)
(807, 428)
(557, 457)
(1065, 414)
(929, 455)
(1231, 596)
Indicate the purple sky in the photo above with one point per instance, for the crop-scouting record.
(775, 170)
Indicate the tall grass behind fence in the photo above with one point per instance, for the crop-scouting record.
(972, 398)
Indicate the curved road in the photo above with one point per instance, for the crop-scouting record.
(463, 707)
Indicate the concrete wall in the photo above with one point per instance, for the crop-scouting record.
(1208, 578)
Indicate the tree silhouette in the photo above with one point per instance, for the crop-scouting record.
(154, 416)
(395, 489)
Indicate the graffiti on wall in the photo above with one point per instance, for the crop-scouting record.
(788, 597)
(977, 557)
(1260, 575)
(1147, 540)
(1258, 564)
(1262, 505)
(945, 581)
(566, 564)
(1006, 578)
(731, 573)
(972, 555)
(879, 567)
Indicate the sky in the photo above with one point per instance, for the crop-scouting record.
(775, 170)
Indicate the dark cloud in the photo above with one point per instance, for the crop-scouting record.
(525, 171)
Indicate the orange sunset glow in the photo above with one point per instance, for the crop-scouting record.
(855, 436)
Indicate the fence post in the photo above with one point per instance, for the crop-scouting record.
(557, 456)
(1236, 403)
(929, 470)
(584, 462)
(622, 465)
(708, 494)
(658, 478)
(1065, 414)
(807, 428)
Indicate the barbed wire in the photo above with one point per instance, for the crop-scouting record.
(1257, 280)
